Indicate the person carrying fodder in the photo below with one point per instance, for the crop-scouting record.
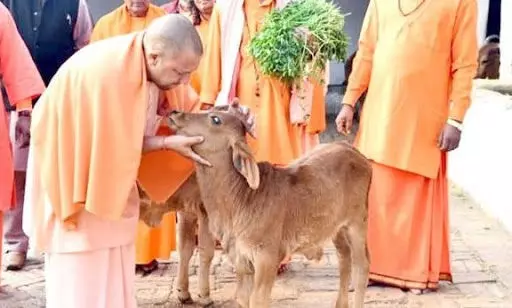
(233, 72)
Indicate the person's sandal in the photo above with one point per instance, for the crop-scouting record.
(147, 269)
(15, 260)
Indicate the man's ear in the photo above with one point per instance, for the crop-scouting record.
(245, 164)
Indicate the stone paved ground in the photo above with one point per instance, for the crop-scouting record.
(482, 255)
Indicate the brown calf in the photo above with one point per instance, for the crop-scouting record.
(263, 213)
(186, 201)
(489, 61)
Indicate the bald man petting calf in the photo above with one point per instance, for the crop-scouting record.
(89, 131)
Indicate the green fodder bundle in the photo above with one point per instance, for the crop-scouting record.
(298, 40)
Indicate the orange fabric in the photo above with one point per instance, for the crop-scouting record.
(25, 104)
(119, 22)
(161, 173)
(278, 140)
(195, 78)
(76, 132)
(408, 230)
(21, 81)
(418, 70)
(1, 242)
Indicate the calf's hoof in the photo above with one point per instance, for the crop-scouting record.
(205, 301)
(185, 298)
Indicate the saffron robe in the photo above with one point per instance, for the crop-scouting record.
(196, 77)
(119, 22)
(151, 243)
(418, 70)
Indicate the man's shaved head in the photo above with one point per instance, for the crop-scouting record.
(173, 49)
(176, 32)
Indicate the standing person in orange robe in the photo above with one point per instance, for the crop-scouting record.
(152, 243)
(22, 82)
(199, 13)
(232, 72)
(86, 148)
(417, 58)
(131, 16)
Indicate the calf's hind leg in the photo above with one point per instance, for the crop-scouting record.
(356, 234)
(344, 266)
(265, 272)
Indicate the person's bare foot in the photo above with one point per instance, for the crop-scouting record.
(419, 291)
(15, 260)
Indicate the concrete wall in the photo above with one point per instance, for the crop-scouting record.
(481, 165)
(353, 22)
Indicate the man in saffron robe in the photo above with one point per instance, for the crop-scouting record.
(152, 243)
(85, 152)
(53, 31)
(131, 16)
(233, 73)
(417, 58)
(22, 82)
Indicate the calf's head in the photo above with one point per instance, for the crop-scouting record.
(224, 137)
(489, 61)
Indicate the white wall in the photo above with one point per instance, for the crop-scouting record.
(506, 39)
(482, 165)
(483, 13)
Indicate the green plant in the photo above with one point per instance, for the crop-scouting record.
(298, 40)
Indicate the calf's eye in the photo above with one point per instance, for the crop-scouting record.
(216, 120)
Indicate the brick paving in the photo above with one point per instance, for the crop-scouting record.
(481, 253)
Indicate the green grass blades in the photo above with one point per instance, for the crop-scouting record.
(298, 40)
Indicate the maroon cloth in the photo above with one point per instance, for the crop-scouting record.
(171, 7)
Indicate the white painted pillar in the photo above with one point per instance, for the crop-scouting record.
(483, 15)
(506, 40)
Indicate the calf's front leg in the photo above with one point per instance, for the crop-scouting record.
(186, 243)
(206, 253)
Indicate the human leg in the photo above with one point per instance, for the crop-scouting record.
(102, 278)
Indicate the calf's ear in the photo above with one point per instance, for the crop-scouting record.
(245, 164)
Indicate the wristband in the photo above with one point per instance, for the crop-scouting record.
(24, 113)
(344, 104)
(455, 124)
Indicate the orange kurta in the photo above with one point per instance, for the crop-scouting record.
(155, 177)
(119, 22)
(22, 82)
(196, 77)
(418, 69)
(278, 140)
